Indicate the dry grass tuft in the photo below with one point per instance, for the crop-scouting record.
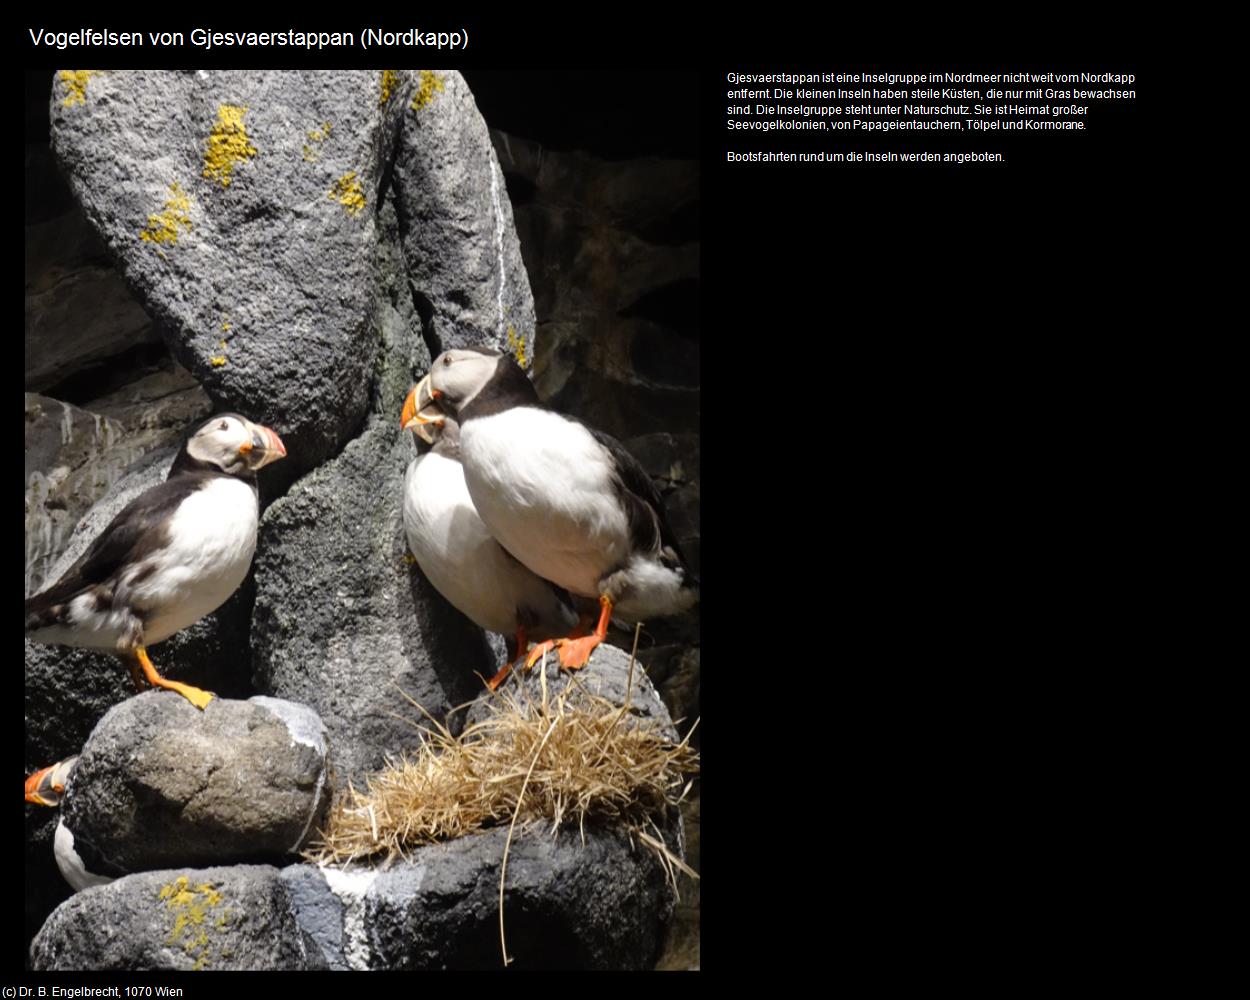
(568, 759)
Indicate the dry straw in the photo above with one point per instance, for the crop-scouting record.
(570, 758)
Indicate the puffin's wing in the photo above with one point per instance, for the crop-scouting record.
(138, 529)
(649, 530)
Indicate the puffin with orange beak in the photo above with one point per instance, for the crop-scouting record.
(458, 554)
(568, 502)
(171, 556)
(47, 788)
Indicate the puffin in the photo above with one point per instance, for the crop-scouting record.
(46, 788)
(460, 557)
(171, 556)
(566, 500)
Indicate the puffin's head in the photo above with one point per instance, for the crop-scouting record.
(45, 788)
(455, 378)
(234, 445)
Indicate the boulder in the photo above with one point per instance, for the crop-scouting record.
(238, 917)
(601, 904)
(607, 676)
(344, 620)
(73, 455)
(161, 783)
(459, 236)
(241, 209)
(79, 311)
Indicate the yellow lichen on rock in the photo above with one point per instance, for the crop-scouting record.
(390, 79)
(516, 342)
(75, 81)
(228, 144)
(317, 135)
(163, 226)
(348, 193)
(191, 906)
(430, 84)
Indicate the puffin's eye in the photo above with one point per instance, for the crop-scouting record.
(446, 361)
(224, 426)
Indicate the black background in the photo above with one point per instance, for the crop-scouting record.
(925, 395)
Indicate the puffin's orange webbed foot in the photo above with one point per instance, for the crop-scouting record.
(194, 695)
(575, 653)
(539, 651)
(499, 678)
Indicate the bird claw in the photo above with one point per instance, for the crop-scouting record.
(539, 651)
(194, 695)
(575, 653)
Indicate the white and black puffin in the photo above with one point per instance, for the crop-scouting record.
(47, 788)
(460, 557)
(566, 500)
(171, 556)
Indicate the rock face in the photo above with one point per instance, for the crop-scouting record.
(161, 783)
(608, 676)
(459, 238)
(73, 456)
(240, 207)
(601, 905)
(78, 309)
(343, 620)
(239, 917)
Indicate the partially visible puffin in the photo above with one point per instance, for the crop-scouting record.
(566, 500)
(47, 788)
(460, 557)
(171, 556)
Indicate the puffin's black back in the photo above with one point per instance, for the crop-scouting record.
(644, 507)
(141, 527)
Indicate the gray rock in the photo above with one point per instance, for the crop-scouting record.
(607, 675)
(319, 912)
(261, 256)
(156, 406)
(344, 623)
(79, 311)
(603, 904)
(74, 455)
(459, 238)
(238, 917)
(161, 783)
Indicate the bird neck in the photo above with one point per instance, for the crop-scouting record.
(184, 464)
(508, 388)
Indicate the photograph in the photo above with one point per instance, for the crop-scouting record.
(362, 519)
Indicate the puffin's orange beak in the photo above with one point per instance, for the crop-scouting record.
(45, 787)
(414, 417)
(266, 444)
(410, 409)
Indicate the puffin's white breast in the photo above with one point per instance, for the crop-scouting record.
(544, 487)
(70, 862)
(212, 536)
(461, 558)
